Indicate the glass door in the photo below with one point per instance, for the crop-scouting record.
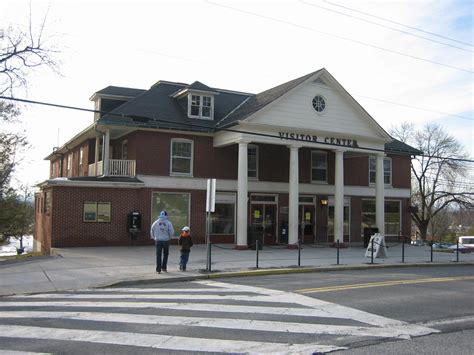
(306, 221)
(263, 223)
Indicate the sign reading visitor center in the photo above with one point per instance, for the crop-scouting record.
(346, 142)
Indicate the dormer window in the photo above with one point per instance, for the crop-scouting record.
(201, 106)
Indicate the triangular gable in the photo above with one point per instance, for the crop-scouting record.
(342, 114)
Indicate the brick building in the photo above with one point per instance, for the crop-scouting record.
(302, 160)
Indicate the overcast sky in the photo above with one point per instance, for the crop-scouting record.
(251, 46)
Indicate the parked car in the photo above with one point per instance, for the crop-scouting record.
(467, 241)
(441, 245)
(462, 248)
(418, 242)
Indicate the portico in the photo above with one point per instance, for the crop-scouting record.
(293, 187)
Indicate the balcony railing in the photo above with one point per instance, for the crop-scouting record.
(117, 167)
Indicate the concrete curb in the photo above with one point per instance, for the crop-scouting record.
(275, 271)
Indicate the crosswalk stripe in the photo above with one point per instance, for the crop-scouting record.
(304, 312)
(402, 327)
(163, 290)
(156, 341)
(224, 323)
(209, 297)
(331, 309)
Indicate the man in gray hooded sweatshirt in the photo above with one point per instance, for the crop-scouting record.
(162, 231)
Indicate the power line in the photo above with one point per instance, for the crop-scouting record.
(398, 23)
(391, 28)
(215, 129)
(415, 107)
(340, 37)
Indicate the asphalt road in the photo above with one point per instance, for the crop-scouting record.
(390, 311)
(441, 298)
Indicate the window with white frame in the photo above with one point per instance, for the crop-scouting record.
(252, 153)
(387, 170)
(200, 106)
(181, 157)
(81, 157)
(319, 166)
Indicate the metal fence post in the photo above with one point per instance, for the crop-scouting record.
(256, 249)
(299, 252)
(431, 246)
(403, 249)
(457, 252)
(372, 251)
(209, 256)
(337, 244)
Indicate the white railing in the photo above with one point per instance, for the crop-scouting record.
(118, 167)
(96, 169)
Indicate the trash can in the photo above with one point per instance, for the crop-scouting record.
(368, 232)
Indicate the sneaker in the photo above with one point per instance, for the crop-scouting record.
(158, 271)
(181, 267)
(164, 270)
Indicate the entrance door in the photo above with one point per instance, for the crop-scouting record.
(306, 220)
(263, 222)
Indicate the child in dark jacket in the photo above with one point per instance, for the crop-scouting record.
(186, 242)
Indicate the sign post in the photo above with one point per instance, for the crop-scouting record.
(210, 207)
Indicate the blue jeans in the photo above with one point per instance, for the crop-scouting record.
(184, 259)
(162, 247)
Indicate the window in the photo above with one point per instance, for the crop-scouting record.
(222, 220)
(96, 211)
(392, 216)
(47, 202)
(331, 217)
(200, 106)
(181, 157)
(252, 154)
(125, 150)
(319, 104)
(54, 169)
(176, 204)
(387, 170)
(69, 165)
(81, 157)
(319, 166)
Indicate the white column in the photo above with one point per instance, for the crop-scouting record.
(379, 195)
(293, 196)
(97, 147)
(106, 153)
(339, 197)
(242, 195)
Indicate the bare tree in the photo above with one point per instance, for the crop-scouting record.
(437, 175)
(21, 52)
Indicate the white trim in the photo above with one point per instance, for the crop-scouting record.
(274, 202)
(264, 186)
(325, 109)
(191, 165)
(201, 96)
(391, 171)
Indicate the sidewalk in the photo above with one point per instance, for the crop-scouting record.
(76, 268)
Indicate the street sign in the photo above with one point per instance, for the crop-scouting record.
(211, 195)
